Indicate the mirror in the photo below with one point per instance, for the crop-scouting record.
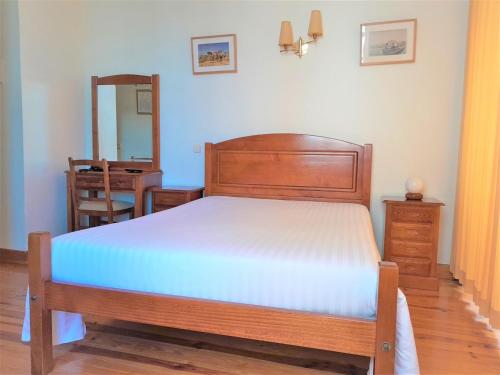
(125, 122)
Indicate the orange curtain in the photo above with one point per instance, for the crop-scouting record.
(476, 246)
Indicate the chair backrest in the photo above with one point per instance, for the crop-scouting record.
(98, 184)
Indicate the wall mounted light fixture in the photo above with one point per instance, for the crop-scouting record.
(299, 47)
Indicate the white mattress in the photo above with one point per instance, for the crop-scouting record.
(310, 256)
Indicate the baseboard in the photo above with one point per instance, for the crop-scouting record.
(13, 256)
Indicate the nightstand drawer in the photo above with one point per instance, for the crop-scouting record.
(408, 214)
(412, 232)
(161, 207)
(411, 249)
(413, 266)
(171, 198)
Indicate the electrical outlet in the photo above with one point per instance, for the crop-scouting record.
(196, 148)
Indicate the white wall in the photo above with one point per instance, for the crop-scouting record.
(12, 226)
(53, 85)
(410, 112)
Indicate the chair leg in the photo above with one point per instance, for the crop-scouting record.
(131, 214)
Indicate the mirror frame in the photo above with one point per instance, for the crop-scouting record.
(129, 79)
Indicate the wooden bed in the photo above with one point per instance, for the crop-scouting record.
(279, 166)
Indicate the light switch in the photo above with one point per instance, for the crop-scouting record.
(196, 148)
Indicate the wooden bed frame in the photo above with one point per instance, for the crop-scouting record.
(282, 166)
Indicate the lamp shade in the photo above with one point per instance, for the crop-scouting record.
(414, 185)
(315, 24)
(286, 34)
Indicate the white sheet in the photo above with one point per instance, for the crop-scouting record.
(310, 256)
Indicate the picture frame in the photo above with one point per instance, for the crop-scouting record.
(144, 102)
(214, 54)
(388, 42)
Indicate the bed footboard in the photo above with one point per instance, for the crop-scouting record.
(372, 338)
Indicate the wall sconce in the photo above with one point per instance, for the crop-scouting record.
(300, 47)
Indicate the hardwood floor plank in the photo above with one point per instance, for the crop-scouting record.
(301, 357)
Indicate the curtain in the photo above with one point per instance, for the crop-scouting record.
(476, 244)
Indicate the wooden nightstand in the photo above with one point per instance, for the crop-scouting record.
(172, 196)
(411, 240)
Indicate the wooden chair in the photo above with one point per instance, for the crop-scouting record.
(92, 205)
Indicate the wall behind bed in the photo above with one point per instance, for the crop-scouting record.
(410, 112)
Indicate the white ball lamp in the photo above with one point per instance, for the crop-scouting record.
(414, 188)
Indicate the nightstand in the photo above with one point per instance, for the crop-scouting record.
(411, 240)
(172, 196)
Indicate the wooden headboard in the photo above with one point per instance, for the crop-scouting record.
(289, 166)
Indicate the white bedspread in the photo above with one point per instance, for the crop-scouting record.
(310, 256)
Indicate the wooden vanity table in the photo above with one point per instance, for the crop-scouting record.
(120, 181)
(126, 132)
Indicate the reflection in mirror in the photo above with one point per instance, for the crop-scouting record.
(125, 122)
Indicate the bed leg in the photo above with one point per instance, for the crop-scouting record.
(39, 266)
(385, 337)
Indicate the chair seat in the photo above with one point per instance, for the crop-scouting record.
(101, 205)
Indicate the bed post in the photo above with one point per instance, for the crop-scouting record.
(385, 337)
(367, 174)
(39, 267)
(208, 169)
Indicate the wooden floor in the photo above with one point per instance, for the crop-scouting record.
(449, 341)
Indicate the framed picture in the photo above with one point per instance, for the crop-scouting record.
(144, 102)
(214, 54)
(391, 42)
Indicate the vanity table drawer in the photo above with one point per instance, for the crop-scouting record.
(412, 232)
(121, 182)
(93, 181)
(89, 182)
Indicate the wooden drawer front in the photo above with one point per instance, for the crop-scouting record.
(193, 195)
(411, 249)
(89, 182)
(171, 198)
(413, 266)
(161, 207)
(122, 182)
(408, 214)
(412, 232)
